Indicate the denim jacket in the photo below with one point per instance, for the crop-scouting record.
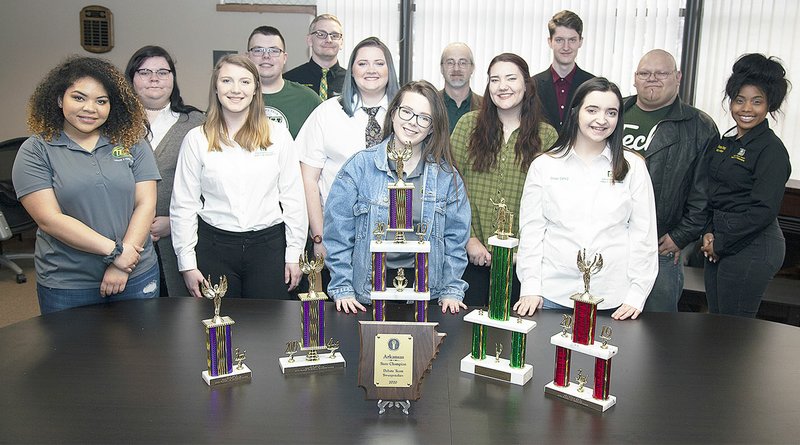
(359, 199)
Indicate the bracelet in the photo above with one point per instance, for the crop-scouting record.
(316, 239)
(108, 259)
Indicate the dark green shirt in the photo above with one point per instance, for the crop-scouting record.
(291, 106)
(640, 126)
(454, 112)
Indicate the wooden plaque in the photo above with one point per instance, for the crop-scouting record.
(403, 348)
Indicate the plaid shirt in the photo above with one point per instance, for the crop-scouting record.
(505, 180)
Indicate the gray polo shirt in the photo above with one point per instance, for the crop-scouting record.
(95, 188)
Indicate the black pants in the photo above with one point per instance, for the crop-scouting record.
(736, 283)
(252, 261)
(478, 279)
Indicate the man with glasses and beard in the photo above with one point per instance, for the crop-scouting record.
(675, 140)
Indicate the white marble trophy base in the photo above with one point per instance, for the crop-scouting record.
(410, 246)
(595, 350)
(302, 365)
(406, 294)
(499, 370)
(509, 242)
(513, 324)
(238, 375)
(583, 398)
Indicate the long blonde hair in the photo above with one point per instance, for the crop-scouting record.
(254, 134)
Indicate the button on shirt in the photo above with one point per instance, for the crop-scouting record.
(562, 86)
(330, 137)
(569, 205)
(242, 191)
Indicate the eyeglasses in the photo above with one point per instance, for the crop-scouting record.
(462, 63)
(323, 35)
(660, 75)
(260, 51)
(423, 120)
(161, 74)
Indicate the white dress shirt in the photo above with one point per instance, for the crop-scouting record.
(242, 191)
(159, 126)
(329, 137)
(568, 204)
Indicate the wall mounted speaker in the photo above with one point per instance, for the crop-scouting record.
(97, 29)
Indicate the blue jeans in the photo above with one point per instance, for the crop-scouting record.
(668, 286)
(142, 286)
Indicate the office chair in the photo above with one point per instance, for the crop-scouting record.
(13, 218)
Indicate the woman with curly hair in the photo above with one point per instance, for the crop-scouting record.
(493, 148)
(89, 181)
(747, 176)
(152, 73)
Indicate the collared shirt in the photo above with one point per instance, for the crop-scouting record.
(454, 112)
(97, 188)
(309, 74)
(562, 86)
(330, 137)
(747, 179)
(290, 106)
(359, 200)
(159, 126)
(241, 191)
(506, 178)
(569, 205)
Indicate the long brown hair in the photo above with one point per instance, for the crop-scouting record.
(254, 134)
(487, 138)
(436, 146)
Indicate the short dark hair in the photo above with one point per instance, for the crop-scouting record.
(567, 19)
(766, 74)
(267, 31)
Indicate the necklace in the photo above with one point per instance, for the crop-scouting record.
(157, 109)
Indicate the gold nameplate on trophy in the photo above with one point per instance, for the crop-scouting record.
(394, 360)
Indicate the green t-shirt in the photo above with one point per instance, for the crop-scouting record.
(291, 105)
(640, 126)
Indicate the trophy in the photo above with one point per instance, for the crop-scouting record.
(312, 327)
(220, 360)
(583, 322)
(513, 370)
(401, 223)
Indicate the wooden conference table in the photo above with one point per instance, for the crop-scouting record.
(130, 372)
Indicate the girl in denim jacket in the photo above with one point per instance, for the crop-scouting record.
(359, 200)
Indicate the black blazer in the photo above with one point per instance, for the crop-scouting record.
(547, 93)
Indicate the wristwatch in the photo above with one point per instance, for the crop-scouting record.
(317, 239)
(108, 259)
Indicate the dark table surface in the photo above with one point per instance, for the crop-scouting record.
(130, 372)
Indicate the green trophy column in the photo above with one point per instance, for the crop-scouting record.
(478, 342)
(500, 282)
(518, 344)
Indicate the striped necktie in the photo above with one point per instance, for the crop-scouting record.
(323, 84)
(373, 131)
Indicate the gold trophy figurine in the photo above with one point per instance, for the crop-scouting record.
(605, 335)
(399, 156)
(588, 268)
(379, 232)
(292, 348)
(400, 281)
(422, 229)
(581, 379)
(498, 349)
(566, 324)
(504, 220)
(215, 292)
(312, 269)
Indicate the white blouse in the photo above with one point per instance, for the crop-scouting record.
(242, 191)
(569, 204)
(329, 137)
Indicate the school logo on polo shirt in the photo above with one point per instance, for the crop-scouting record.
(277, 116)
(119, 152)
(740, 155)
